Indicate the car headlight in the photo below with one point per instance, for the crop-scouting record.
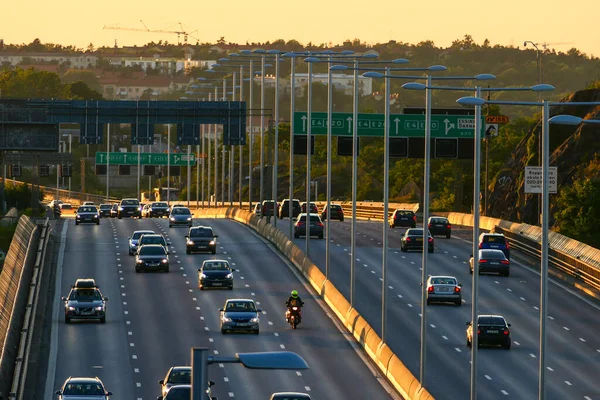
(202, 276)
(255, 319)
(226, 319)
(172, 218)
(139, 208)
(71, 308)
(99, 308)
(140, 261)
(190, 242)
(120, 208)
(229, 276)
(95, 216)
(189, 218)
(212, 243)
(164, 261)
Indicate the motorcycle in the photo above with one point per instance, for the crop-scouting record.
(293, 316)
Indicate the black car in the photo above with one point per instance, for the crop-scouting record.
(269, 208)
(316, 226)
(129, 208)
(492, 330)
(104, 210)
(201, 238)
(159, 209)
(114, 211)
(87, 214)
(337, 212)
(412, 239)
(440, 226)
(491, 260)
(85, 302)
(403, 218)
(215, 273)
(153, 238)
(284, 210)
(152, 257)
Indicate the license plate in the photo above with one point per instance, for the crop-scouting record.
(242, 324)
(492, 331)
(440, 225)
(419, 239)
(86, 313)
(443, 289)
(217, 284)
(494, 263)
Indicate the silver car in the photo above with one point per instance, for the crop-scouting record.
(85, 303)
(444, 289)
(87, 214)
(176, 376)
(83, 389)
(134, 239)
(240, 315)
(180, 216)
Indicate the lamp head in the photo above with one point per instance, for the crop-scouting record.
(484, 77)
(400, 61)
(347, 52)
(233, 55)
(215, 65)
(542, 87)
(274, 51)
(327, 52)
(414, 86)
(246, 51)
(470, 101)
(259, 51)
(565, 120)
(370, 55)
(437, 68)
(338, 68)
(223, 59)
(311, 60)
(373, 74)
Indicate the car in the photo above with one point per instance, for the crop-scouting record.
(104, 210)
(175, 376)
(134, 239)
(180, 216)
(78, 388)
(492, 330)
(491, 260)
(177, 205)
(129, 208)
(152, 238)
(158, 209)
(284, 210)
(403, 218)
(494, 241)
(89, 203)
(177, 392)
(114, 211)
(54, 202)
(85, 302)
(215, 273)
(65, 208)
(337, 212)
(240, 315)
(412, 239)
(439, 226)
(85, 283)
(146, 211)
(152, 257)
(289, 396)
(201, 238)
(313, 207)
(87, 214)
(257, 209)
(444, 289)
(316, 226)
(269, 208)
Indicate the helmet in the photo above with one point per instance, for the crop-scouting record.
(294, 294)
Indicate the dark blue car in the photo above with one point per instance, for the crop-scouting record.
(496, 241)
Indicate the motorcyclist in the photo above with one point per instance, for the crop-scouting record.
(56, 210)
(293, 301)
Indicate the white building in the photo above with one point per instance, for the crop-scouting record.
(343, 82)
(75, 59)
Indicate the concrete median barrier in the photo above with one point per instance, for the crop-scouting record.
(389, 364)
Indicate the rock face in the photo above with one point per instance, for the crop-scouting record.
(571, 150)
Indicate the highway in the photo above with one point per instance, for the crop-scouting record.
(154, 319)
(573, 348)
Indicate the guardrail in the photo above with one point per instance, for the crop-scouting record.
(28, 324)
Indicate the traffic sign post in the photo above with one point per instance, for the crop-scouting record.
(534, 179)
(117, 158)
(401, 125)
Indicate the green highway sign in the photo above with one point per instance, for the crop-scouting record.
(401, 125)
(180, 159)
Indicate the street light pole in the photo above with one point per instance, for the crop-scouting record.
(250, 127)
(209, 159)
(386, 174)
(292, 103)
(329, 151)
(544, 256)
(107, 161)
(223, 152)
(308, 150)
(216, 156)
(354, 185)
(168, 163)
(276, 144)
(241, 173)
(262, 126)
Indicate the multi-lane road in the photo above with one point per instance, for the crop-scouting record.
(154, 319)
(573, 348)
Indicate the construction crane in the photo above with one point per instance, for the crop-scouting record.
(146, 29)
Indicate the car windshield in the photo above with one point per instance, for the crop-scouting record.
(336, 208)
(201, 232)
(240, 306)
(164, 205)
(130, 203)
(105, 206)
(415, 232)
(136, 235)
(179, 393)
(493, 239)
(66, 206)
(180, 377)
(84, 209)
(491, 321)
(443, 281)
(145, 239)
(114, 206)
(180, 211)
(83, 389)
(313, 218)
(404, 213)
(215, 266)
(85, 295)
(439, 221)
(152, 251)
(492, 255)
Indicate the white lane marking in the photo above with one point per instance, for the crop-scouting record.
(121, 278)
(191, 291)
(270, 323)
(432, 325)
(216, 351)
(504, 392)
(241, 277)
(225, 379)
(458, 350)
(517, 343)
(536, 308)
(198, 308)
(400, 296)
(247, 285)
(307, 388)
(181, 268)
(358, 259)
(184, 274)
(549, 369)
(138, 384)
(381, 279)
(445, 337)
(131, 344)
(130, 333)
(201, 318)
(509, 289)
(522, 298)
(124, 303)
(193, 298)
(252, 294)
(549, 317)
(298, 373)
(489, 378)
(136, 370)
(282, 346)
(565, 328)
(582, 339)
(420, 315)
(206, 328)
(568, 383)
(187, 282)
(128, 322)
(264, 312)
(532, 355)
(410, 305)
(134, 357)
(231, 394)
(211, 340)
(372, 271)
(365, 265)
(391, 287)
(587, 397)
(123, 294)
(118, 259)
(275, 333)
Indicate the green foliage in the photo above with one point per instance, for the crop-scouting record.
(31, 84)
(579, 211)
(18, 196)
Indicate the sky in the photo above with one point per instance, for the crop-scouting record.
(562, 25)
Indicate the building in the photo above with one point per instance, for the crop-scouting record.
(343, 82)
(74, 59)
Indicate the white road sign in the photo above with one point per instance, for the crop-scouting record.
(533, 179)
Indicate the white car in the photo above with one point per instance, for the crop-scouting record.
(83, 388)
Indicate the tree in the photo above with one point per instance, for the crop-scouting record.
(89, 78)
(579, 211)
(90, 48)
(81, 91)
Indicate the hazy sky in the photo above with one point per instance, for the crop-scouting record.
(507, 22)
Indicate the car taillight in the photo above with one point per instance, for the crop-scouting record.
(429, 225)
(483, 261)
(478, 331)
(430, 289)
(408, 239)
(449, 226)
(507, 246)
(319, 224)
(415, 218)
(505, 262)
(456, 289)
(480, 245)
(430, 239)
(506, 331)
(300, 223)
